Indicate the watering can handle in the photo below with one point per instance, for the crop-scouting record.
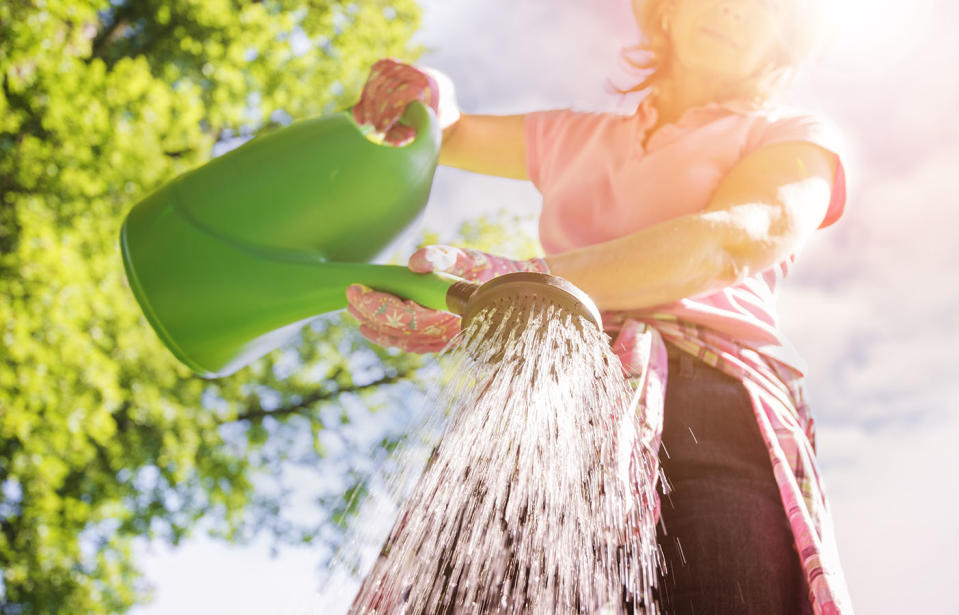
(417, 116)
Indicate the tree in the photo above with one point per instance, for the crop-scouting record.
(104, 437)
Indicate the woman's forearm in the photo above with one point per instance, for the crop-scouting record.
(683, 257)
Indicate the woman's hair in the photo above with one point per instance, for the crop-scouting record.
(804, 26)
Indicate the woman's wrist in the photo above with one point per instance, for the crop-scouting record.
(447, 108)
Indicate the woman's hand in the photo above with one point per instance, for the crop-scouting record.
(472, 265)
(387, 320)
(393, 85)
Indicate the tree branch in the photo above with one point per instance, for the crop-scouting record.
(107, 35)
(317, 397)
(178, 153)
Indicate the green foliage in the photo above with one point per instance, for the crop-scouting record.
(104, 437)
(501, 233)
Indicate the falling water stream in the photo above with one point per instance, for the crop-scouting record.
(536, 499)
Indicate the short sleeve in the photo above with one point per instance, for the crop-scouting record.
(812, 129)
(546, 133)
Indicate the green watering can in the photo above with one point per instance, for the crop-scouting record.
(230, 260)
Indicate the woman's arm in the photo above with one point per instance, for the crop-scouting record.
(487, 144)
(761, 212)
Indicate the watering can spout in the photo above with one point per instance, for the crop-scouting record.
(230, 260)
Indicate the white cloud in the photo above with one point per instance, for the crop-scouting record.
(203, 576)
(872, 304)
(511, 57)
(872, 307)
(894, 496)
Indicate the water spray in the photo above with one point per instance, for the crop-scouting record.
(525, 506)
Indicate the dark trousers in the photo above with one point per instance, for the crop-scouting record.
(724, 534)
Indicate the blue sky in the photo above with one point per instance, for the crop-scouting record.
(871, 304)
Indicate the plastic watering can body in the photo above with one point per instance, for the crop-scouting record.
(230, 259)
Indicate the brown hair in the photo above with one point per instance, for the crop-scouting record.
(805, 29)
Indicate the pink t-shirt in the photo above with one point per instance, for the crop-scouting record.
(599, 181)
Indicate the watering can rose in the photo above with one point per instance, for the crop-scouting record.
(387, 320)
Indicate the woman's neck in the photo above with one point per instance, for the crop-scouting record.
(675, 94)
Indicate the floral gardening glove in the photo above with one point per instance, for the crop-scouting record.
(469, 264)
(393, 85)
(387, 320)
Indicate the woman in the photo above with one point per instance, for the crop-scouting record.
(679, 221)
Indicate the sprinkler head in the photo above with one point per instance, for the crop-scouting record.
(468, 298)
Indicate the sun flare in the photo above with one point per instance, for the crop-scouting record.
(877, 33)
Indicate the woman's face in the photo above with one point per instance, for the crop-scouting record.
(725, 40)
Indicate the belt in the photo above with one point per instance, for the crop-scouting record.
(674, 352)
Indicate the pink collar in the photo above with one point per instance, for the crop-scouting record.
(647, 113)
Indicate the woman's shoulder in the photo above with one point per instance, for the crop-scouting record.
(780, 114)
(579, 116)
(781, 123)
(576, 125)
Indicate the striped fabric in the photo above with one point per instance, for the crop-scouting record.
(783, 418)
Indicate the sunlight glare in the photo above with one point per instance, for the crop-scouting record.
(875, 35)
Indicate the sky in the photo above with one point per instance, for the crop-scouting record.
(871, 304)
